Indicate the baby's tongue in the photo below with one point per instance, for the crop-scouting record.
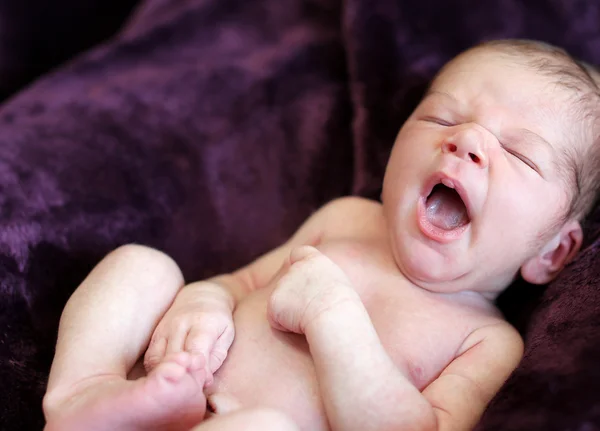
(445, 208)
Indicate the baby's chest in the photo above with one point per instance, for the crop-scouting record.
(420, 330)
(420, 336)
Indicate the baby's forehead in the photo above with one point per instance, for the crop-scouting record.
(492, 79)
(532, 67)
(481, 61)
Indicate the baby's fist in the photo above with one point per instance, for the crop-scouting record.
(312, 285)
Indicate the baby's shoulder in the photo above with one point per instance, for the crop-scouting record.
(352, 205)
(499, 336)
(350, 215)
(343, 218)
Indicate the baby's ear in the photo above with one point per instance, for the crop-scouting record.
(553, 257)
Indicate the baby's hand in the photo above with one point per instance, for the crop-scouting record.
(200, 322)
(312, 286)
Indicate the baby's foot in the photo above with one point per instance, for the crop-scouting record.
(169, 398)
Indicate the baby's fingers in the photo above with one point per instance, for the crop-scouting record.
(213, 345)
(176, 340)
(198, 341)
(220, 349)
(155, 353)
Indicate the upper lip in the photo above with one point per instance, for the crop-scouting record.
(453, 183)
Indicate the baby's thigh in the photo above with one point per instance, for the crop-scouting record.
(258, 419)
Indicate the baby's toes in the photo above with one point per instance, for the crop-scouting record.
(173, 367)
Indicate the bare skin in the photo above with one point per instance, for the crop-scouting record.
(285, 389)
(453, 332)
(106, 391)
(385, 321)
(170, 396)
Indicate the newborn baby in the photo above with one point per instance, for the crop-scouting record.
(372, 316)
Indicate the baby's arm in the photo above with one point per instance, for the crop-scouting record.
(461, 393)
(362, 388)
(200, 319)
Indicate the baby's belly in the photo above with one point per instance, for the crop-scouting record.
(268, 368)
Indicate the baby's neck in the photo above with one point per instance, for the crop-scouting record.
(487, 296)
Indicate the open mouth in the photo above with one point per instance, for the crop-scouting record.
(445, 209)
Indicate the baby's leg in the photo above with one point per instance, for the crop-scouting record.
(249, 420)
(104, 329)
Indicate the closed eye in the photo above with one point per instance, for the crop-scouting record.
(439, 121)
(523, 159)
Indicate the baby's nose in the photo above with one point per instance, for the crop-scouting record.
(468, 144)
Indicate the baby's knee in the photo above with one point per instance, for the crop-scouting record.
(146, 260)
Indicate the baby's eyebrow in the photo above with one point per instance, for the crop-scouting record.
(528, 135)
(449, 96)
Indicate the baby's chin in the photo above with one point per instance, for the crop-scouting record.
(440, 283)
(432, 271)
(444, 278)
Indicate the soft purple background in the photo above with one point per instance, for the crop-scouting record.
(212, 128)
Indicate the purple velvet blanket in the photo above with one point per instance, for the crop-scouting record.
(211, 129)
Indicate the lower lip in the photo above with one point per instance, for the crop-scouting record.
(433, 232)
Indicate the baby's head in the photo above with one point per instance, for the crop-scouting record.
(495, 168)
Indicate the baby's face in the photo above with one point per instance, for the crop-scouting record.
(477, 178)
